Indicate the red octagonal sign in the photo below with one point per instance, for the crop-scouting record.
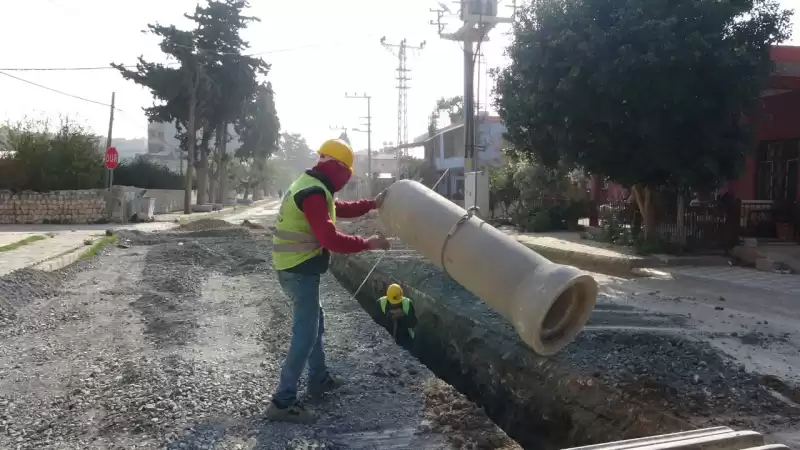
(112, 158)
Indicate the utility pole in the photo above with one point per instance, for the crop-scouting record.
(368, 124)
(109, 173)
(479, 17)
(401, 51)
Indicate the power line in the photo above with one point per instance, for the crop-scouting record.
(78, 97)
(169, 63)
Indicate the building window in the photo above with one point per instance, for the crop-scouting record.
(776, 170)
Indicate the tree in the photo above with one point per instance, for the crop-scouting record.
(180, 93)
(647, 93)
(259, 133)
(454, 106)
(208, 89)
(412, 168)
(233, 74)
(295, 153)
(502, 190)
(432, 123)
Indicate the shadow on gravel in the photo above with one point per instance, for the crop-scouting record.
(165, 323)
(176, 267)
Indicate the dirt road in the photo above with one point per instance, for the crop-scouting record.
(176, 342)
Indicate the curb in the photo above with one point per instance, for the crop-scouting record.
(593, 263)
(59, 262)
(622, 266)
(539, 402)
(230, 210)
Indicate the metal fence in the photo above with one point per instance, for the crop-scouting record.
(703, 227)
(770, 219)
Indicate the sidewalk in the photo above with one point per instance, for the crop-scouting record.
(566, 247)
(221, 214)
(70, 239)
(39, 251)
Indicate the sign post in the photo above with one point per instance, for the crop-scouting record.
(111, 160)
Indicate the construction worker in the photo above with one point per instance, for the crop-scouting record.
(399, 311)
(305, 233)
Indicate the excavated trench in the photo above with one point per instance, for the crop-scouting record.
(537, 401)
(608, 385)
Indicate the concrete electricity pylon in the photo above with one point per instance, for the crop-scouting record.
(401, 52)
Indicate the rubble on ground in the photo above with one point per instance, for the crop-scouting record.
(204, 224)
(177, 341)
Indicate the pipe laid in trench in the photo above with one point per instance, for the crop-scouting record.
(548, 304)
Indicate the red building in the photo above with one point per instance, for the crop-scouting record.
(771, 173)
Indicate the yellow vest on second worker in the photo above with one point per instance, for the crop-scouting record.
(383, 301)
(293, 241)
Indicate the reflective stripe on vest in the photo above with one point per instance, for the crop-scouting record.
(302, 242)
(292, 238)
(406, 305)
(404, 302)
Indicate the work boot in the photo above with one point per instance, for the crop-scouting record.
(294, 413)
(329, 384)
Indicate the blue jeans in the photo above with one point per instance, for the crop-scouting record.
(308, 327)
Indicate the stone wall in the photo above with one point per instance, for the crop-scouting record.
(87, 206)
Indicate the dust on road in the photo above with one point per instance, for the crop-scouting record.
(176, 342)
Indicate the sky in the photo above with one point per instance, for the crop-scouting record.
(319, 50)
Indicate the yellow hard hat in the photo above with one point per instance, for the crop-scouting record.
(338, 150)
(394, 293)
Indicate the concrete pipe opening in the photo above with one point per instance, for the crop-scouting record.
(567, 312)
(557, 312)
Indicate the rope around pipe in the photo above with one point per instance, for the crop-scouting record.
(384, 252)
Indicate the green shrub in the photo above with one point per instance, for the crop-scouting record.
(539, 222)
(44, 158)
(146, 174)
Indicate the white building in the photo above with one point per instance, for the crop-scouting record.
(129, 148)
(381, 163)
(446, 150)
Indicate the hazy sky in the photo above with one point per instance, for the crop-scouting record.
(318, 49)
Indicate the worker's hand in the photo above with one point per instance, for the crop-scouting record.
(378, 242)
(379, 199)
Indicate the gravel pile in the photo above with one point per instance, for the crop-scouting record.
(204, 224)
(18, 287)
(176, 342)
(686, 376)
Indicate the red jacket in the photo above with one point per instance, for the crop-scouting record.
(315, 208)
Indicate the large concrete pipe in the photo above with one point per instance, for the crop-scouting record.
(548, 304)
